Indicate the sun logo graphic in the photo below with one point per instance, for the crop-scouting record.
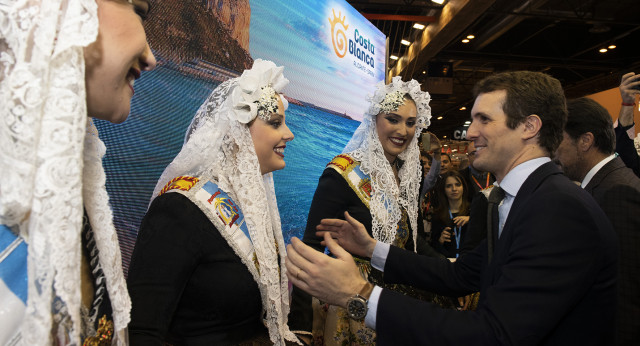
(338, 36)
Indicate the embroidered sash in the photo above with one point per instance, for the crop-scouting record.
(13, 284)
(223, 212)
(350, 170)
(360, 183)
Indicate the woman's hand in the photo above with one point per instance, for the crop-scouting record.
(350, 234)
(445, 236)
(461, 220)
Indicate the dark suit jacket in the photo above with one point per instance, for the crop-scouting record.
(474, 189)
(552, 280)
(616, 188)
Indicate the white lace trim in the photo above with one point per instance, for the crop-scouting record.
(96, 203)
(219, 146)
(387, 197)
(42, 137)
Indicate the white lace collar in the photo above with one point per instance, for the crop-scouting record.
(387, 196)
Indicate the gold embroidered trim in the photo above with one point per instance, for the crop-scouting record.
(345, 165)
(341, 161)
(183, 183)
(104, 334)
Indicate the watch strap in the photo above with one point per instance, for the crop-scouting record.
(366, 290)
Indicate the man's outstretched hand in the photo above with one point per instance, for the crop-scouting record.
(332, 280)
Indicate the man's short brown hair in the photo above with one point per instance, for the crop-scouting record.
(531, 93)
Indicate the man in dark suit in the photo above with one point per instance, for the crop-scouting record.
(476, 180)
(586, 155)
(551, 279)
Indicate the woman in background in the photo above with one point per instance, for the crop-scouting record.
(451, 215)
(208, 265)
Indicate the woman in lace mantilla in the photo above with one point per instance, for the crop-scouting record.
(208, 265)
(63, 61)
(376, 180)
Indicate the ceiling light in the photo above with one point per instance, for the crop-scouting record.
(465, 41)
(613, 46)
(439, 2)
(424, 72)
(393, 57)
(445, 137)
(439, 118)
(603, 50)
(463, 108)
(471, 37)
(405, 42)
(418, 26)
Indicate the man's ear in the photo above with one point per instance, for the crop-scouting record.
(586, 141)
(532, 126)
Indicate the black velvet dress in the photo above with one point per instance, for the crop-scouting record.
(187, 285)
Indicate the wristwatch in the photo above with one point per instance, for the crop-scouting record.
(357, 305)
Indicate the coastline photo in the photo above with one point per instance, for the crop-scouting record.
(198, 45)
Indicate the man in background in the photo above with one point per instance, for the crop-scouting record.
(587, 156)
(476, 180)
(445, 165)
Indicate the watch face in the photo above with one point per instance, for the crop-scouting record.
(357, 308)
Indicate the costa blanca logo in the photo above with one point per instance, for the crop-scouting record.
(338, 35)
(359, 46)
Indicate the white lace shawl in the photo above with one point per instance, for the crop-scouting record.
(218, 146)
(44, 174)
(387, 198)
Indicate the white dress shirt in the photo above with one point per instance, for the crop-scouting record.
(595, 169)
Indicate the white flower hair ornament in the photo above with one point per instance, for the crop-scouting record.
(388, 98)
(257, 91)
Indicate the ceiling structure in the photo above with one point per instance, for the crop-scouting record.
(559, 37)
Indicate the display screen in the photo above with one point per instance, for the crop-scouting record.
(332, 56)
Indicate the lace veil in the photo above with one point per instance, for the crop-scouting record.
(387, 197)
(49, 167)
(218, 146)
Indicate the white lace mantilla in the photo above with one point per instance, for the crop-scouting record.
(387, 197)
(218, 146)
(43, 172)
